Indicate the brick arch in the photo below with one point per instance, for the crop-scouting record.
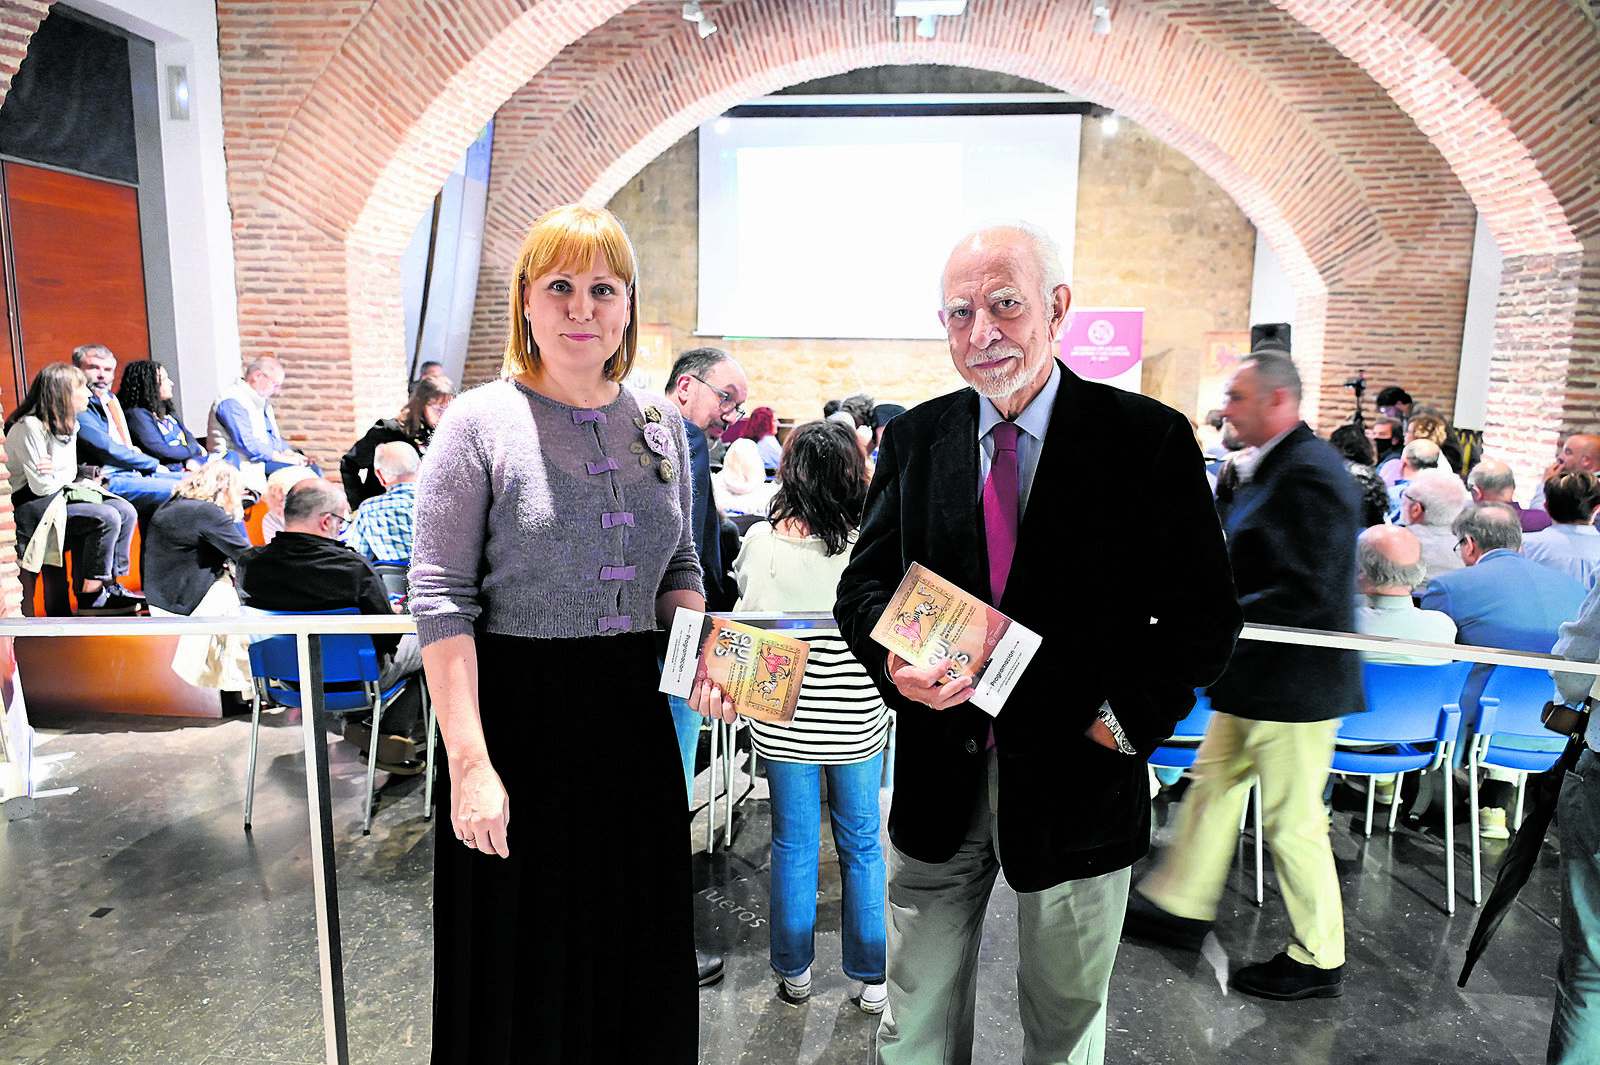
(1507, 96)
(1345, 245)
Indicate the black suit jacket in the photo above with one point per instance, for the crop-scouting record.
(1292, 532)
(1068, 808)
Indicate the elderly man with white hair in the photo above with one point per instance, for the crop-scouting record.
(1428, 504)
(383, 525)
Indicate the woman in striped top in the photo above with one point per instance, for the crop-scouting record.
(792, 561)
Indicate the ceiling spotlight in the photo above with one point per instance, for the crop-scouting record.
(925, 26)
(702, 25)
(1102, 20)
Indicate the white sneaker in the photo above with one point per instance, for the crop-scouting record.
(873, 997)
(1492, 823)
(795, 989)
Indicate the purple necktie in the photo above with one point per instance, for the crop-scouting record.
(1000, 507)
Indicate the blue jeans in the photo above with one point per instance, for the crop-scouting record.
(1575, 1026)
(146, 491)
(687, 723)
(796, 840)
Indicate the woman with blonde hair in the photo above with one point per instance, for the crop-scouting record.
(552, 541)
(192, 539)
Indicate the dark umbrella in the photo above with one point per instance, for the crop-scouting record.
(1521, 854)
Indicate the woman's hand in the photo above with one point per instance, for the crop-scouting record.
(709, 699)
(480, 810)
(921, 684)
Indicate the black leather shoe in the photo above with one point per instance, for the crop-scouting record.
(1285, 979)
(1145, 920)
(710, 967)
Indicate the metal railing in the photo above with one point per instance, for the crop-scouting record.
(308, 630)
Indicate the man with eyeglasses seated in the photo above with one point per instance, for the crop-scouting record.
(1499, 599)
(1415, 457)
(1427, 507)
(709, 388)
(307, 568)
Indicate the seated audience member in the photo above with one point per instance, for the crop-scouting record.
(52, 509)
(1578, 453)
(1499, 599)
(278, 486)
(382, 527)
(1571, 544)
(430, 398)
(192, 538)
(1428, 504)
(1351, 442)
(1491, 481)
(1426, 425)
(762, 427)
(1394, 402)
(146, 398)
(104, 439)
(243, 427)
(1388, 567)
(859, 406)
(306, 568)
(741, 486)
(831, 407)
(1415, 457)
(1388, 437)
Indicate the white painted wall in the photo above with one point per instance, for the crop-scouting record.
(1271, 294)
(1477, 329)
(199, 225)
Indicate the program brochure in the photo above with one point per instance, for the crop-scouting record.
(928, 619)
(757, 669)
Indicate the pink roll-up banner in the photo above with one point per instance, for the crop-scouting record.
(1105, 344)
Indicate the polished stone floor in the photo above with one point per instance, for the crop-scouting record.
(142, 925)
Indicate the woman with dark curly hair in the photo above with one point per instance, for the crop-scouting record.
(414, 424)
(792, 562)
(1352, 443)
(146, 398)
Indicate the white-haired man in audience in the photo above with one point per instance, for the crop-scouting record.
(1388, 567)
(383, 525)
(1415, 457)
(1491, 481)
(1428, 504)
(1499, 599)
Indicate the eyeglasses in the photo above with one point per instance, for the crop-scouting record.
(343, 520)
(1461, 541)
(729, 404)
(439, 405)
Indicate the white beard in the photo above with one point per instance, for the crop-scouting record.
(1002, 381)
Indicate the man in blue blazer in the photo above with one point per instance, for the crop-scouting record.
(979, 486)
(1291, 523)
(1499, 600)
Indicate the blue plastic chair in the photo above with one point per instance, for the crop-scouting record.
(1411, 719)
(1510, 736)
(347, 659)
(1179, 751)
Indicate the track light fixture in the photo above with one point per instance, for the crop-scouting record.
(925, 27)
(1102, 20)
(702, 25)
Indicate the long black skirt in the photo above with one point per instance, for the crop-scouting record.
(579, 947)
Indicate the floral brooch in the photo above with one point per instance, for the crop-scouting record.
(653, 449)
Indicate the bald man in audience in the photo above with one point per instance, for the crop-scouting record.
(1428, 504)
(1491, 481)
(1388, 568)
(1578, 453)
